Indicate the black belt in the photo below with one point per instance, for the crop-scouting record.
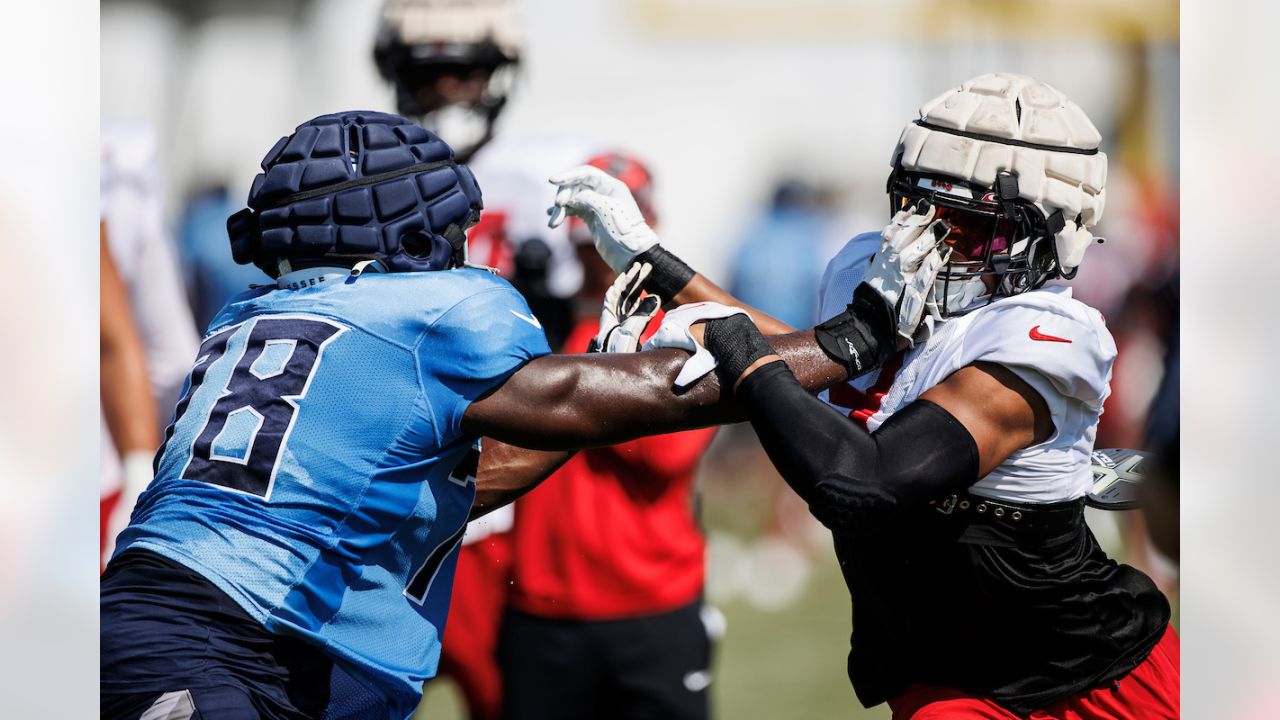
(1014, 516)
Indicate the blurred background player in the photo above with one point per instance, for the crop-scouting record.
(211, 276)
(133, 229)
(130, 429)
(605, 613)
(453, 65)
(781, 256)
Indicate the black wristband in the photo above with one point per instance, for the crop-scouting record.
(670, 274)
(736, 343)
(863, 336)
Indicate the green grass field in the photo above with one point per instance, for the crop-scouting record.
(787, 664)
(790, 664)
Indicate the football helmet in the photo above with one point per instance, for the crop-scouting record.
(1014, 166)
(356, 186)
(452, 62)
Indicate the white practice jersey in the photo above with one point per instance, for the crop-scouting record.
(133, 211)
(1058, 345)
(513, 172)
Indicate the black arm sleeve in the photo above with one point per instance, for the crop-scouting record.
(854, 480)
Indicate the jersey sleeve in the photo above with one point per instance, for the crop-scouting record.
(474, 347)
(843, 273)
(1060, 350)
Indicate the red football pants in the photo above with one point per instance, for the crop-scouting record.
(1149, 692)
(469, 653)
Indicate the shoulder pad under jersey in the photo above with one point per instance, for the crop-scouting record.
(1049, 332)
(844, 272)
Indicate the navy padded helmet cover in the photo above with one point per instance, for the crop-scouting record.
(291, 215)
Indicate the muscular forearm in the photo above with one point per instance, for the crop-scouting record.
(126, 391)
(507, 472)
(126, 401)
(576, 401)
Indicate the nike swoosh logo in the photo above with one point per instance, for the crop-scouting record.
(697, 681)
(533, 320)
(1037, 335)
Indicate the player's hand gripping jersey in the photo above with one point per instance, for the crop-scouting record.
(316, 471)
(1008, 611)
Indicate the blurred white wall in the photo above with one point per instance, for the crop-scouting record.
(718, 100)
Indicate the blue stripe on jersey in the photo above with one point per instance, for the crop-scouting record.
(316, 470)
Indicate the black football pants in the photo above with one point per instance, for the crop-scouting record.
(652, 666)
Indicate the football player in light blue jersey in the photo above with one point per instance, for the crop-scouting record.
(293, 557)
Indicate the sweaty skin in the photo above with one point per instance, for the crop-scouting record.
(127, 406)
(999, 409)
(563, 403)
(603, 399)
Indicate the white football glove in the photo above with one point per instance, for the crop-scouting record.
(625, 314)
(136, 467)
(674, 332)
(605, 203)
(903, 270)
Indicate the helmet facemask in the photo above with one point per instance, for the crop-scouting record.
(453, 65)
(1000, 246)
(466, 116)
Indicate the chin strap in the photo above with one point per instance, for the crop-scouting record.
(457, 239)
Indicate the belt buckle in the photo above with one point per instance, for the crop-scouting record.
(948, 506)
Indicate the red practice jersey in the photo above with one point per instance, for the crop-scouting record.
(612, 533)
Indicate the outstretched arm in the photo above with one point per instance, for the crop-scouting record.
(954, 434)
(567, 402)
(560, 403)
(564, 402)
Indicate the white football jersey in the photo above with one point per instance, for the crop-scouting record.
(1056, 344)
(512, 173)
(140, 246)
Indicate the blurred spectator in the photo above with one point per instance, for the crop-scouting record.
(143, 253)
(1138, 285)
(128, 410)
(211, 275)
(606, 612)
(452, 66)
(779, 261)
(139, 250)
(1161, 491)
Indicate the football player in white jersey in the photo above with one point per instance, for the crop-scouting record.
(140, 248)
(953, 478)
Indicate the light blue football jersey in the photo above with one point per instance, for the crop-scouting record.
(316, 470)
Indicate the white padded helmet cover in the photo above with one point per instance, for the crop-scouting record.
(422, 22)
(1007, 106)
